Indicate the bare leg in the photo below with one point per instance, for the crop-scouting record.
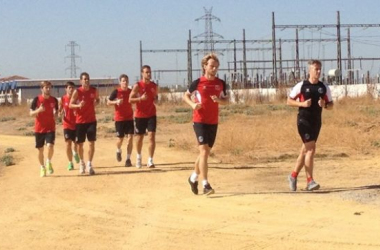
(196, 166)
(80, 151)
(41, 156)
(119, 142)
(300, 160)
(152, 143)
(91, 150)
(139, 143)
(129, 144)
(204, 152)
(50, 150)
(69, 151)
(309, 158)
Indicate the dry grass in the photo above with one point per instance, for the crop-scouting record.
(251, 132)
(268, 132)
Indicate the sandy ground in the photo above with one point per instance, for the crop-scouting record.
(129, 208)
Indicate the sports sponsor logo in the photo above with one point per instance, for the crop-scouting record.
(200, 138)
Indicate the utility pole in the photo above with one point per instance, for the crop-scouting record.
(209, 34)
(73, 67)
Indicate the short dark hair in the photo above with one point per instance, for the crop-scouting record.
(70, 84)
(145, 67)
(45, 84)
(311, 62)
(84, 74)
(123, 76)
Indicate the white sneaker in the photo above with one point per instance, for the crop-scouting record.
(151, 164)
(82, 169)
(90, 169)
(138, 163)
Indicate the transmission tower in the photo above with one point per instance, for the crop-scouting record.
(208, 35)
(73, 68)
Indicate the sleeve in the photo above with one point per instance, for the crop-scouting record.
(33, 106)
(193, 86)
(296, 91)
(328, 97)
(56, 103)
(224, 92)
(113, 95)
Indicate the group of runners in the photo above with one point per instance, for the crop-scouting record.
(77, 109)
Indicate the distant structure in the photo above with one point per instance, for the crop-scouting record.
(73, 67)
(208, 35)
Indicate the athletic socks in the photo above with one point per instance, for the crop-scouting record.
(309, 179)
(193, 177)
(294, 174)
(204, 182)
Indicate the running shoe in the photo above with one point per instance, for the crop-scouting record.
(76, 157)
(82, 168)
(118, 156)
(128, 163)
(42, 172)
(151, 165)
(50, 168)
(292, 183)
(70, 166)
(90, 169)
(207, 190)
(138, 163)
(194, 186)
(311, 186)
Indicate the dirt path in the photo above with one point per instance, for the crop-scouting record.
(128, 208)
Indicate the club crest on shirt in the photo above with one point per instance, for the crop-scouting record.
(200, 138)
(307, 136)
(320, 90)
(307, 90)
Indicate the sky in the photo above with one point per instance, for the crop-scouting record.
(34, 34)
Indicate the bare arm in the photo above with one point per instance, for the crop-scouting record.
(133, 98)
(187, 99)
(35, 112)
(73, 101)
(294, 103)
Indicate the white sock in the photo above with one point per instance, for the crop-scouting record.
(118, 150)
(128, 156)
(150, 160)
(204, 182)
(193, 177)
(47, 161)
(138, 156)
(89, 164)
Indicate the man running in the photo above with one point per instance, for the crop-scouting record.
(84, 100)
(44, 108)
(204, 96)
(312, 95)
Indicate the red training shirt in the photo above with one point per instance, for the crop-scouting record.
(123, 112)
(86, 114)
(146, 108)
(203, 89)
(45, 121)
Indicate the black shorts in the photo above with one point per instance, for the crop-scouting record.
(69, 134)
(86, 129)
(206, 133)
(124, 128)
(41, 138)
(144, 124)
(308, 129)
